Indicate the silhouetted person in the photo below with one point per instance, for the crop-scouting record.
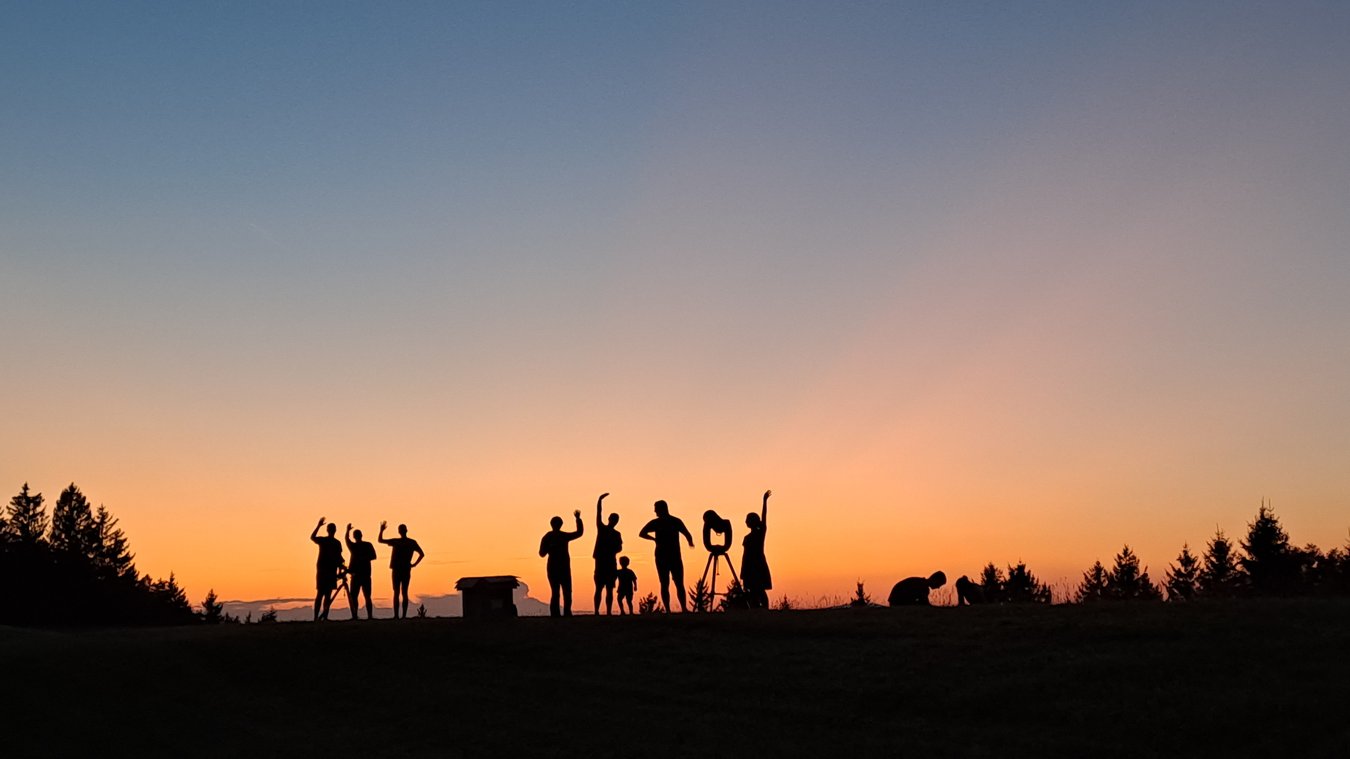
(968, 592)
(755, 576)
(327, 569)
(666, 530)
(554, 546)
(627, 579)
(608, 544)
(913, 591)
(362, 554)
(401, 563)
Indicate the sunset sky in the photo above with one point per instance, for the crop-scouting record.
(960, 282)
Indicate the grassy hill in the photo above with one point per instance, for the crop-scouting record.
(1242, 679)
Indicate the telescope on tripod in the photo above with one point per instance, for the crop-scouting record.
(713, 524)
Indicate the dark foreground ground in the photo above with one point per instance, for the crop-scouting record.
(1246, 679)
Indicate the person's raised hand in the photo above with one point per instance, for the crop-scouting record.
(603, 496)
(767, 493)
(577, 513)
(322, 520)
(383, 524)
(349, 525)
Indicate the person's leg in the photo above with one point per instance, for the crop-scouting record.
(677, 575)
(370, 604)
(567, 595)
(553, 587)
(318, 603)
(395, 581)
(599, 585)
(405, 581)
(609, 600)
(663, 572)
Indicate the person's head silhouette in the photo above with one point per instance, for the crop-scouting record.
(556, 523)
(332, 529)
(356, 534)
(623, 561)
(752, 520)
(613, 519)
(662, 509)
(937, 580)
(403, 531)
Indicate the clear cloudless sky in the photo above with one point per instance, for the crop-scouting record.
(961, 282)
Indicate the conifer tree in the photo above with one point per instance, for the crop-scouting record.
(860, 597)
(1093, 587)
(75, 532)
(1183, 579)
(172, 602)
(1271, 563)
(991, 583)
(213, 612)
(27, 519)
(1023, 587)
(1128, 582)
(113, 558)
(1220, 577)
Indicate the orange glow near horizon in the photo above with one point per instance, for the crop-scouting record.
(959, 286)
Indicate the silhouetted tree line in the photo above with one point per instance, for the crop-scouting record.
(1267, 565)
(75, 567)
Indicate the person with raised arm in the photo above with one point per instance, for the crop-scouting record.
(362, 555)
(665, 530)
(401, 563)
(755, 577)
(327, 569)
(608, 546)
(554, 547)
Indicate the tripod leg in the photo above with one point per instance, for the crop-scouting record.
(707, 567)
(712, 589)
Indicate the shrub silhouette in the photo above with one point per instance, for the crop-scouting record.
(700, 596)
(860, 598)
(649, 604)
(735, 599)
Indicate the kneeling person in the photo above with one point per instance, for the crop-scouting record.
(913, 591)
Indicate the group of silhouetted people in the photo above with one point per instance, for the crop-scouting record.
(666, 530)
(332, 571)
(612, 573)
(913, 591)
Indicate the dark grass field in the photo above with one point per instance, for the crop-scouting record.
(1240, 679)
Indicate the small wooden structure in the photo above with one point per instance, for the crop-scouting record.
(488, 597)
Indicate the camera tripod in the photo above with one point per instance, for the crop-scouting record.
(340, 588)
(711, 568)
